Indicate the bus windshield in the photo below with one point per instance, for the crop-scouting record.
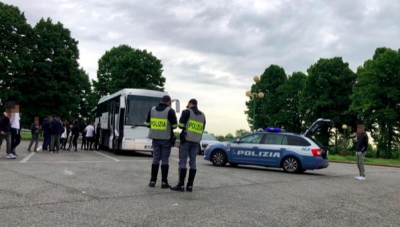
(138, 108)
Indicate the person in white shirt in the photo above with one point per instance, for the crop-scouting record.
(15, 128)
(89, 136)
(64, 134)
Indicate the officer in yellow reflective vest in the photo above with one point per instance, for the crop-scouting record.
(162, 121)
(193, 122)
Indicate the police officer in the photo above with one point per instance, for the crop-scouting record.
(162, 121)
(192, 123)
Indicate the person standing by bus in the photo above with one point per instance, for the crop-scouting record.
(162, 121)
(192, 122)
(97, 135)
(89, 136)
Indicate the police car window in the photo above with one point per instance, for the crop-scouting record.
(276, 139)
(254, 138)
(298, 141)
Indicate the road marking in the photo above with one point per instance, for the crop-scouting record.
(28, 157)
(107, 156)
(67, 172)
(40, 147)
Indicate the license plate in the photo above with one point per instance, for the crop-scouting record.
(148, 147)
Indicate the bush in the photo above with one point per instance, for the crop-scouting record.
(371, 152)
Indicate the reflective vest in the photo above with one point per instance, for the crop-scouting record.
(195, 127)
(160, 127)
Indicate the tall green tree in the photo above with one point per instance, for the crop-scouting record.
(267, 108)
(289, 113)
(55, 82)
(376, 98)
(15, 54)
(125, 67)
(326, 94)
(85, 110)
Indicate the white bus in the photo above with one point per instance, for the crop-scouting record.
(122, 116)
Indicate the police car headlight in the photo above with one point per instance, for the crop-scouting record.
(208, 147)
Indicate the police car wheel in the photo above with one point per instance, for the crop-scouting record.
(291, 164)
(218, 158)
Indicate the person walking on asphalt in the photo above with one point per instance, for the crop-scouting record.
(56, 130)
(192, 122)
(5, 131)
(162, 121)
(361, 148)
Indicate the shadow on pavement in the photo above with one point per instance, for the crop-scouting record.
(266, 169)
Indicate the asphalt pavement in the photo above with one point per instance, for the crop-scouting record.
(88, 188)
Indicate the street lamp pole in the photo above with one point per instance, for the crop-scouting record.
(254, 95)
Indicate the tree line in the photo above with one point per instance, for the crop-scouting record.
(331, 90)
(39, 68)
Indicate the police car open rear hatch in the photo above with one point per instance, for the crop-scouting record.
(316, 125)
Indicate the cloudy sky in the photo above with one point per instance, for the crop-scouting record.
(211, 50)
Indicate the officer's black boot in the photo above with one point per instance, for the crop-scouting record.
(154, 173)
(181, 185)
(192, 174)
(164, 173)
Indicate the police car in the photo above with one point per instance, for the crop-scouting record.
(273, 148)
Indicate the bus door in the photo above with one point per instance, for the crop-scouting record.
(121, 119)
(112, 126)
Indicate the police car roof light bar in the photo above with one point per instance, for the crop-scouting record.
(268, 129)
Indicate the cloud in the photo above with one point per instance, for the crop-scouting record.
(211, 49)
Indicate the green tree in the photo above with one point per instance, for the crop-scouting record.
(241, 132)
(125, 67)
(376, 98)
(229, 136)
(85, 110)
(326, 94)
(54, 87)
(15, 54)
(267, 108)
(289, 102)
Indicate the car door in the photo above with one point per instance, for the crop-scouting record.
(245, 149)
(273, 147)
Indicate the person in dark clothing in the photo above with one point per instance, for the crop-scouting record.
(97, 134)
(35, 134)
(162, 121)
(361, 149)
(192, 122)
(5, 132)
(46, 133)
(56, 130)
(83, 145)
(74, 136)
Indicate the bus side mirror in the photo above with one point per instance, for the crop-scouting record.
(177, 105)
